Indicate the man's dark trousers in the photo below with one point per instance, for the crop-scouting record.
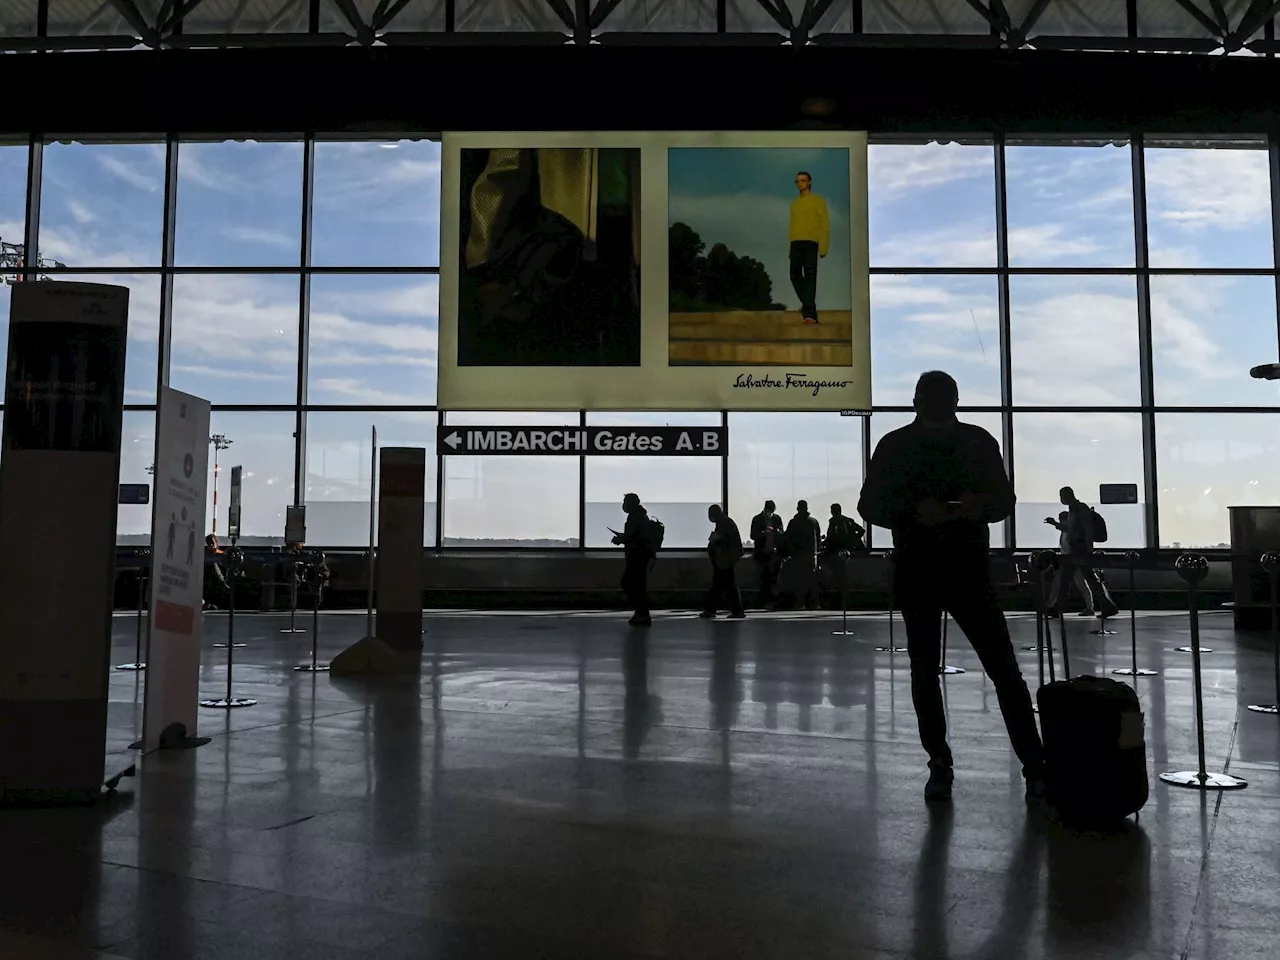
(724, 583)
(804, 276)
(635, 582)
(926, 586)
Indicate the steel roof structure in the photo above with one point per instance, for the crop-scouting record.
(1206, 27)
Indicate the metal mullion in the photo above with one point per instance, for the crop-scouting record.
(304, 322)
(724, 462)
(167, 234)
(42, 18)
(1072, 271)
(582, 489)
(1273, 162)
(31, 224)
(440, 462)
(866, 464)
(1006, 351)
(1146, 366)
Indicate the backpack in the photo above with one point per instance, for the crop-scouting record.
(1099, 526)
(845, 537)
(655, 534)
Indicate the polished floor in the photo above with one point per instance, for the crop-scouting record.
(561, 786)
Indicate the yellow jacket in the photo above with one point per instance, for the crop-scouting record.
(810, 221)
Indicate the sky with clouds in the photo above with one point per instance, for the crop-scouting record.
(374, 337)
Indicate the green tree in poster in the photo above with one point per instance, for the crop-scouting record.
(718, 281)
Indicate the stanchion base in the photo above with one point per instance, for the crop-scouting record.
(1189, 650)
(1032, 648)
(294, 630)
(1210, 781)
(222, 703)
(1102, 632)
(1140, 672)
(950, 671)
(131, 666)
(843, 633)
(1265, 708)
(308, 668)
(890, 649)
(223, 646)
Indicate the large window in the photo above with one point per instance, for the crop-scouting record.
(258, 278)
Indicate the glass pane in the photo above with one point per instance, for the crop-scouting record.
(1074, 341)
(785, 457)
(374, 339)
(263, 444)
(1081, 451)
(1209, 208)
(921, 322)
(1207, 332)
(239, 204)
(102, 204)
(376, 204)
(511, 501)
(1208, 462)
(1069, 206)
(339, 452)
(932, 205)
(13, 212)
(142, 353)
(676, 490)
(882, 423)
(235, 337)
(137, 454)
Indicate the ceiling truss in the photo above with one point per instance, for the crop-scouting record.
(1210, 26)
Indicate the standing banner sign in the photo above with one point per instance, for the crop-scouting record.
(233, 514)
(177, 566)
(59, 484)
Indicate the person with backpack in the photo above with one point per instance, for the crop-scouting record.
(844, 534)
(1084, 527)
(641, 539)
(724, 549)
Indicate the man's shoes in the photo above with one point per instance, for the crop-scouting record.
(938, 789)
(708, 614)
(810, 320)
(1052, 613)
(740, 615)
(1086, 613)
(641, 620)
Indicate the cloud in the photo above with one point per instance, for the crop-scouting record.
(129, 174)
(270, 238)
(80, 213)
(359, 391)
(1197, 189)
(896, 170)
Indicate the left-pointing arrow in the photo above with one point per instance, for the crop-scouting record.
(453, 440)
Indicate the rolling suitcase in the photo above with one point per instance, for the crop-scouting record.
(1095, 749)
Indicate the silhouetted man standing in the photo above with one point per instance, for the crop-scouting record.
(639, 553)
(766, 530)
(938, 484)
(724, 548)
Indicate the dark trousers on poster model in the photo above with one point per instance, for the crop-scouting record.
(804, 276)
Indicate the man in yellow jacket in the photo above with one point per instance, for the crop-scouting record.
(810, 234)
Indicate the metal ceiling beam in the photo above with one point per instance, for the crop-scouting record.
(1220, 15)
(814, 10)
(133, 16)
(988, 15)
(237, 16)
(1200, 17)
(178, 16)
(1018, 36)
(387, 12)
(564, 12)
(349, 12)
(600, 13)
(780, 13)
(1255, 17)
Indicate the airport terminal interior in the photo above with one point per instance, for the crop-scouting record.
(1072, 207)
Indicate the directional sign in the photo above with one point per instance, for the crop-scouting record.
(233, 515)
(134, 493)
(572, 441)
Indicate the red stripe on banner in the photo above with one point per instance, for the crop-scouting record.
(175, 617)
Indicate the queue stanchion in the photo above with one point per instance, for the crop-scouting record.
(891, 648)
(1101, 629)
(842, 577)
(1271, 564)
(1193, 569)
(1062, 621)
(138, 663)
(316, 573)
(1037, 565)
(945, 668)
(230, 602)
(235, 561)
(1133, 671)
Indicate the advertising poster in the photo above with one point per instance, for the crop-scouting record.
(177, 565)
(654, 271)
